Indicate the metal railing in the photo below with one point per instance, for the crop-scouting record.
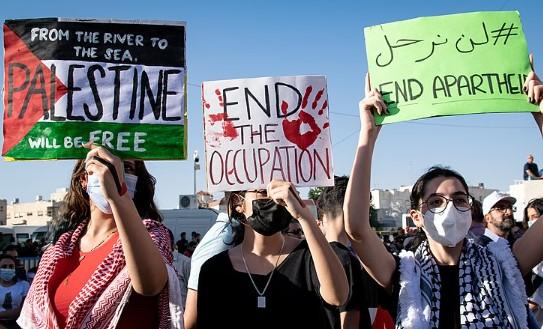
(29, 262)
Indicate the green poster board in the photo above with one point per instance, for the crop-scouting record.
(449, 65)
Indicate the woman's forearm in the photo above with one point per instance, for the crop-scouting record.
(145, 264)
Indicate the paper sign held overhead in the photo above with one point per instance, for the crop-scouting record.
(449, 65)
(120, 84)
(261, 129)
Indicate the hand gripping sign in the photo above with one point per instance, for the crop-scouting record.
(261, 129)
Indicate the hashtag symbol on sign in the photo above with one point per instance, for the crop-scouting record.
(504, 32)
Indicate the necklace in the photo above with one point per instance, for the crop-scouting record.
(81, 257)
(261, 299)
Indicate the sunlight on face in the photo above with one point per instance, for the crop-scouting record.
(533, 214)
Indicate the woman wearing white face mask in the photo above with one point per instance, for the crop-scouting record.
(448, 282)
(106, 267)
(12, 292)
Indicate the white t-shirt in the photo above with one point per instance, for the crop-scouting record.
(182, 266)
(216, 240)
(12, 297)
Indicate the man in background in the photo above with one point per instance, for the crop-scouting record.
(531, 171)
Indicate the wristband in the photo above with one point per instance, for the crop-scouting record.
(123, 190)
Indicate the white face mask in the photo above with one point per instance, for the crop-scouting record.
(94, 190)
(449, 227)
(531, 222)
(131, 181)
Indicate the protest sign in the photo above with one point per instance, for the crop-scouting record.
(121, 84)
(449, 65)
(261, 129)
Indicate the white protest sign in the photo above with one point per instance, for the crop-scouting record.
(261, 129)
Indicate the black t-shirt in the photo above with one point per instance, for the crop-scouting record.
(227, 298)
(449, 317)
(532, 167)
(449, 305)
(357, 288)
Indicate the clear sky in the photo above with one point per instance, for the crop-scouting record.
(240, 39)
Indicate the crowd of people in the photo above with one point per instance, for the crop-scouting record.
(268, 263)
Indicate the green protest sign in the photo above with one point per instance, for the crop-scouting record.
(449, 65)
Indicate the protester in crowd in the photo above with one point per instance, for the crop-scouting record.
(181, 264)
(269, 280)
(190, 249)
(530, 170)
(194, 238)
(12, 292)
(106, 267)
(498, 209)
(477, 227)
(532, 212)
(217, 239)
(449, 281)
(182, 243)
(20, 271)
(354, 314)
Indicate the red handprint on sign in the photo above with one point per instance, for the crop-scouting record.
(292, 128)
(228, 129)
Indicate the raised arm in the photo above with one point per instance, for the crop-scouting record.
(146, 267)
(529, 249)
(379, 263)
(334, 288)
(534, 88)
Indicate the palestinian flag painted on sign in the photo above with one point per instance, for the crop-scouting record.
(121, 84)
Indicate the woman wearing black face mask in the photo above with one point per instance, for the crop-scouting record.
(269, 280)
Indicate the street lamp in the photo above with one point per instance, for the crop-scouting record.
(196, 167)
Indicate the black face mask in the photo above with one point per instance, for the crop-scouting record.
(268, 217)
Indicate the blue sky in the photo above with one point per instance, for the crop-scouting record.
(239, 39)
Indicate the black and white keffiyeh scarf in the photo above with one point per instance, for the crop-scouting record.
(492, 293)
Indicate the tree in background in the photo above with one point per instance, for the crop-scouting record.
(314, 193)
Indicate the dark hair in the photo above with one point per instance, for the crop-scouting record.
(235, 199)
(436, 171)
(331, 199)
(417, 193)
(6, 256)
(477, 211)
(76, 206)
(537, 204)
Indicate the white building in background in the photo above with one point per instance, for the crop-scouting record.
(38, 213)
(524, 191)
(3, 211)
(59, 194)
(393, 204)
